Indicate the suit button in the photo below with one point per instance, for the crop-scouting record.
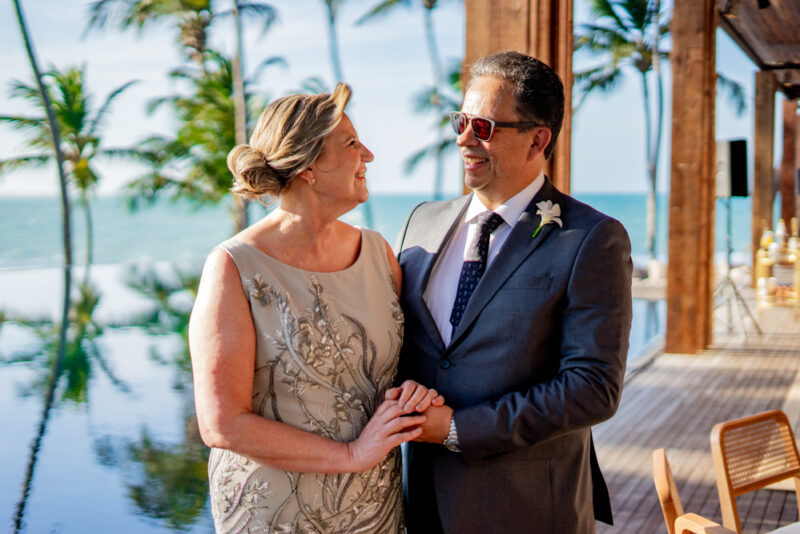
(445, 364)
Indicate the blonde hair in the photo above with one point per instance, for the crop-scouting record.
(286, 140)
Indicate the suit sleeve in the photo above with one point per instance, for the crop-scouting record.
(586, 389)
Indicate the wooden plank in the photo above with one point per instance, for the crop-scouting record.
(540, 28)
(674, 402)
(788, 160)
(763, 140)
(691, 203)
(478, 16)
(562, 63)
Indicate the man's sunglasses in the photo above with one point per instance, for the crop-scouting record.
(483, 128)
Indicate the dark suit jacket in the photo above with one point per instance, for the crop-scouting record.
(539, 357)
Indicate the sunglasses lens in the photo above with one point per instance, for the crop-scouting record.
(482, 128)
(459, 122)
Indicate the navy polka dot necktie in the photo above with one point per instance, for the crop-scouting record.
(474, 263)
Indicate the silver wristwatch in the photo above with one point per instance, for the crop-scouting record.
(451, 441)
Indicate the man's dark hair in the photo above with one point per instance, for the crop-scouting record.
(537, 88)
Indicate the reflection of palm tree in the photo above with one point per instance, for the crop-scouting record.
(432, 97)
(81, 347)
(194, 18)
(170, 481)
(172, 297)
(72, 368)
(80, 125)
(19, 512)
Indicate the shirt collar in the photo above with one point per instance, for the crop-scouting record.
(511, 209)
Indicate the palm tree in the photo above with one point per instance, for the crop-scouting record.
(317, 85)
(193, 164)
(441, 105)
(19, 512)
(194, 18)
(431, 98)
(332, 10)
(81, 127)
(628, 34)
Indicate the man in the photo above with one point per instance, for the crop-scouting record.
(520, 321)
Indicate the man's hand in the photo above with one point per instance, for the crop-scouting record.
(437, 424)
(414, 397)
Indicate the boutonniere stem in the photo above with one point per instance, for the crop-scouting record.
(550, 213)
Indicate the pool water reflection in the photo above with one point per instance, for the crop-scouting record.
(120, 449)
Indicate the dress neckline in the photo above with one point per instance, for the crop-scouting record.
(279, 262)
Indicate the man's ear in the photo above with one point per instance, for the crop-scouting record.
(539, 141)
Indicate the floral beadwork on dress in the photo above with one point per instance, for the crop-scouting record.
(318, 369)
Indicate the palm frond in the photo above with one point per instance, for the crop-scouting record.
(267, 14)
(734, 92)
(429, 152)
(312, 85)
(101, 113)
(102, 11)
(21, 90)
(273, 61)
(604, 9)
(597, 79)
(12, 164)
(382, 9)
(24, 123)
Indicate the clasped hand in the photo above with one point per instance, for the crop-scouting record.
(399, 418)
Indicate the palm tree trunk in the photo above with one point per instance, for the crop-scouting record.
(433, 50)
(333, 46)
(89, 235)
(333, 42)
(240, 113)
(57, 363)
(438, 79)
(650, 224)
(656, 150)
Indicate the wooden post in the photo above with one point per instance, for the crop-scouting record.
(540, 28)
(763, 170)
(691, 201)
(788, 160)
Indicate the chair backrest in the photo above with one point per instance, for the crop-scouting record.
(667, 490)
(751, 453)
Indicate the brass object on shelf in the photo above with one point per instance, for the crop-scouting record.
(778, 276)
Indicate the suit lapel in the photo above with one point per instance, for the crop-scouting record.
(516, 249)
(437, 234)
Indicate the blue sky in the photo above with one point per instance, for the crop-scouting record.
(385, 61)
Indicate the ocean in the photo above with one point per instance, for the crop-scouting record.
(30, 231)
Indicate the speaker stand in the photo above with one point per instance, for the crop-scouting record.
(726, 290)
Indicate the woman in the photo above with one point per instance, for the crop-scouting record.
(294, 338)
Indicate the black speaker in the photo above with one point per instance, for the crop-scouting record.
(731, 174)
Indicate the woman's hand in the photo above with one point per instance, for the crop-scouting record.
(388, 428)
(414, 397)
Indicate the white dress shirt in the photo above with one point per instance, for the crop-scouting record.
(443, 284)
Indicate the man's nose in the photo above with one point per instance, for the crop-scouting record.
(466, 138)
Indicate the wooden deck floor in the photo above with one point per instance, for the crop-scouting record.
(675, 400)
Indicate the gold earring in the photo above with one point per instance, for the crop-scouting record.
(312, 183)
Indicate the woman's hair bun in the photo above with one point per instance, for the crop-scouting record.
(253, 177)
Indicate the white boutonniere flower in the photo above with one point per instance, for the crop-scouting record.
(549, 212)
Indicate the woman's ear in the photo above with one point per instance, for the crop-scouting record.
(540, 140)
(307, 176)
